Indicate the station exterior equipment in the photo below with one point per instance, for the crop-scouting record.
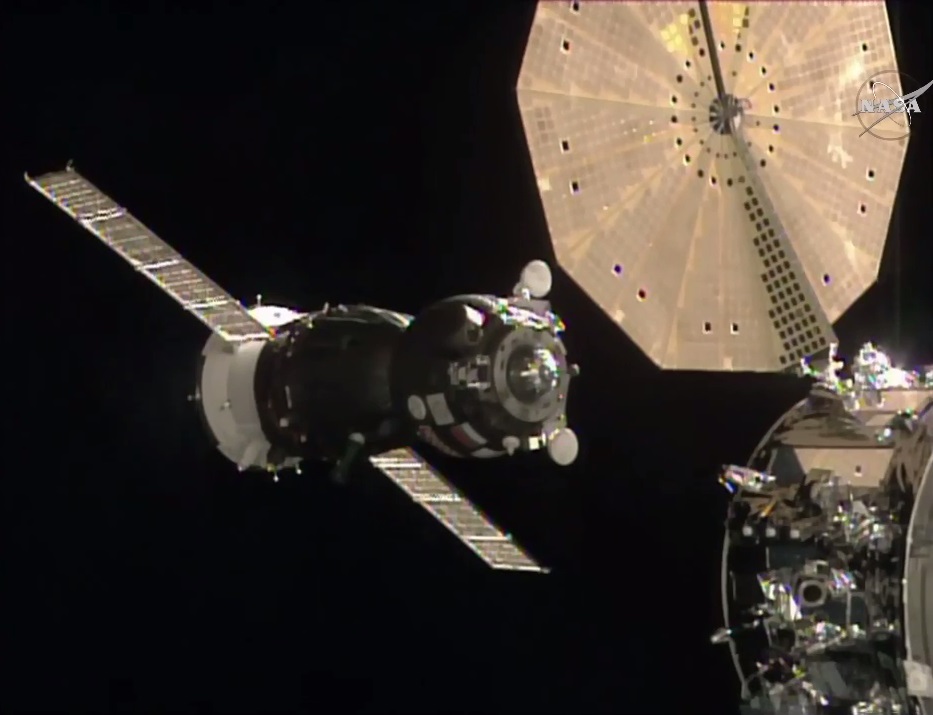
(827, 568)
(708, 182)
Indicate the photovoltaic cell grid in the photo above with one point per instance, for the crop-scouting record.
(431, 491)
(149, 255)
(713, 252)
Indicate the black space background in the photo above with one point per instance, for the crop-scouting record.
(341, 152)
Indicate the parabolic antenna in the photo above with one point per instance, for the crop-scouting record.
(704, 174)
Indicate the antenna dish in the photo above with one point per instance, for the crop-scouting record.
(564, 447)
(536, 279)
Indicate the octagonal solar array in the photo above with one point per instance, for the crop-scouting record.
(713, 251)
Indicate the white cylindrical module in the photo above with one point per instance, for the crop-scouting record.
(228, 401)
(227, 395)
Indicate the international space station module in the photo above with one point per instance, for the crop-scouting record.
(826, 559)
(473, 376)
(708, 179)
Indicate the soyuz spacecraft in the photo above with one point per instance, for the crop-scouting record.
(473, 376)
(705, 182)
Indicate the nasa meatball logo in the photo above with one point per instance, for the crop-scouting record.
(881, 108)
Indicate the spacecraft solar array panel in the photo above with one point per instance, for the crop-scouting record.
(714, 249)
(430, 490)
(149, 254)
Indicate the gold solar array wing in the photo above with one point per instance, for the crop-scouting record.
(714, 250)
(149, 254)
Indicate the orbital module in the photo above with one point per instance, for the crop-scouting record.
(473, 376)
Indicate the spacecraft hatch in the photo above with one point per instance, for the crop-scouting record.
(473, 376)
(703, 171)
